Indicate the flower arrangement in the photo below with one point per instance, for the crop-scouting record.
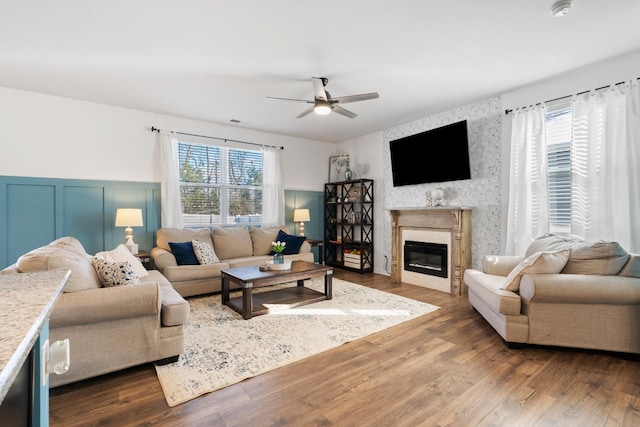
(278, 246)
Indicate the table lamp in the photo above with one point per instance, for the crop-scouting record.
(129, 218)
(301, 215)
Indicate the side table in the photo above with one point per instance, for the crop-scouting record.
(145, 259)
(320, 245)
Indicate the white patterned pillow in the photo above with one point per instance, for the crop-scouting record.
(204, 252)
(115, 273)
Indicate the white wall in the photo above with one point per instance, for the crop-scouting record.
(367, 151)
(54, 137)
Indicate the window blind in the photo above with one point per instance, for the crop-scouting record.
(558, 136)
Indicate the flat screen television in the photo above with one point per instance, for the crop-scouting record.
(436, 155)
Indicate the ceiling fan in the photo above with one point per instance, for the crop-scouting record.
(323, 103)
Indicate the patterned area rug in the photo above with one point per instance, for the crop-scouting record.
(222, 349)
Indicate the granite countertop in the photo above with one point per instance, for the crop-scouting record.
(26, 301)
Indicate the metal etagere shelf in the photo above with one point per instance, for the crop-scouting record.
(348, 224)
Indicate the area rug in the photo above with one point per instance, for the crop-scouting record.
(222, 349)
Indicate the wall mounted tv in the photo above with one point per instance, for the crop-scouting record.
(436, 155)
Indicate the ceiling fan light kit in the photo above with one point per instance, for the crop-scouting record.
(322, 108)
(561, 8)
(323, 103)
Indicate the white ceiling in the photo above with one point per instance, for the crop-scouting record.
(218, 60)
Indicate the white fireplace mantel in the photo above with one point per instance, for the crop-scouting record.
(449, 219)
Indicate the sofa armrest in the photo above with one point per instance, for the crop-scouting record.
(500, 265)
(104, 304)
(162, 258)
(306, 247)
(580, 289)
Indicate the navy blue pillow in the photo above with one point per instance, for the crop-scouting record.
(292, 243)
(184, 253)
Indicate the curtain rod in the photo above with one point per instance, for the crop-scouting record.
(507, 111)
(155, 129)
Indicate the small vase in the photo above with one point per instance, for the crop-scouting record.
(278, 258)
(348, 174)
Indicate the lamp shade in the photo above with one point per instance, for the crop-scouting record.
(129, 218)
(301, 215)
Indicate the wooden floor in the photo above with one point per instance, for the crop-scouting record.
(447, 368)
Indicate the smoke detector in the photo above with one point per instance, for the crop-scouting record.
(561, 8)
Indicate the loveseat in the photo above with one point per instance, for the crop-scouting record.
(228, 247)
(109, 327)
(563, 292)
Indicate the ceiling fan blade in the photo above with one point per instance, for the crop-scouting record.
(343, 111)
(305, 112)
(318, 88)
(355, 98)
(290, 99)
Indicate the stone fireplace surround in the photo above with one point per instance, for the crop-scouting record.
(450, 225)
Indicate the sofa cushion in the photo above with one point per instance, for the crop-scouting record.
(292, 243)
(183, 251)
(204, 252)
(263, 238)
(56, 257)
(166, 235)
(232, 242)
(120, 254)
(601, 257)
(119, 273)
(540, 262)
(489, 288)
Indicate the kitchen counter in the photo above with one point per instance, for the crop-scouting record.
(26, 301)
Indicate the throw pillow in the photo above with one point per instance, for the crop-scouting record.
(115, 273)
(183, 251)
(121, 254)
(263, 238)
(293, 243)
(204, 252)
(540, 262)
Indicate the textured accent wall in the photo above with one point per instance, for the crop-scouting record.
(482, 192)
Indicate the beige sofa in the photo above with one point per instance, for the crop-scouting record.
(234, 247)
(563, 292)
(109, 328)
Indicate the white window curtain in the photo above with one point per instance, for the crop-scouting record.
(528, 214)
(272, 191)
(171, 209)
(606, 165)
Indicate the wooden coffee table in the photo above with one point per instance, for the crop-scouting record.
(250, 277)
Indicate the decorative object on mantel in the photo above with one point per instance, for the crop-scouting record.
(243, 349)
(129, 218)
(428, 199)
(438, 197)
(338, 165)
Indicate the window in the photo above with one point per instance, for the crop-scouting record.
(558, 137)
(219, 185)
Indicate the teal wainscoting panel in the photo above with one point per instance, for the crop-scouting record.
(312, 200)
(36, 211)
(30, 217)
(83, 216)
